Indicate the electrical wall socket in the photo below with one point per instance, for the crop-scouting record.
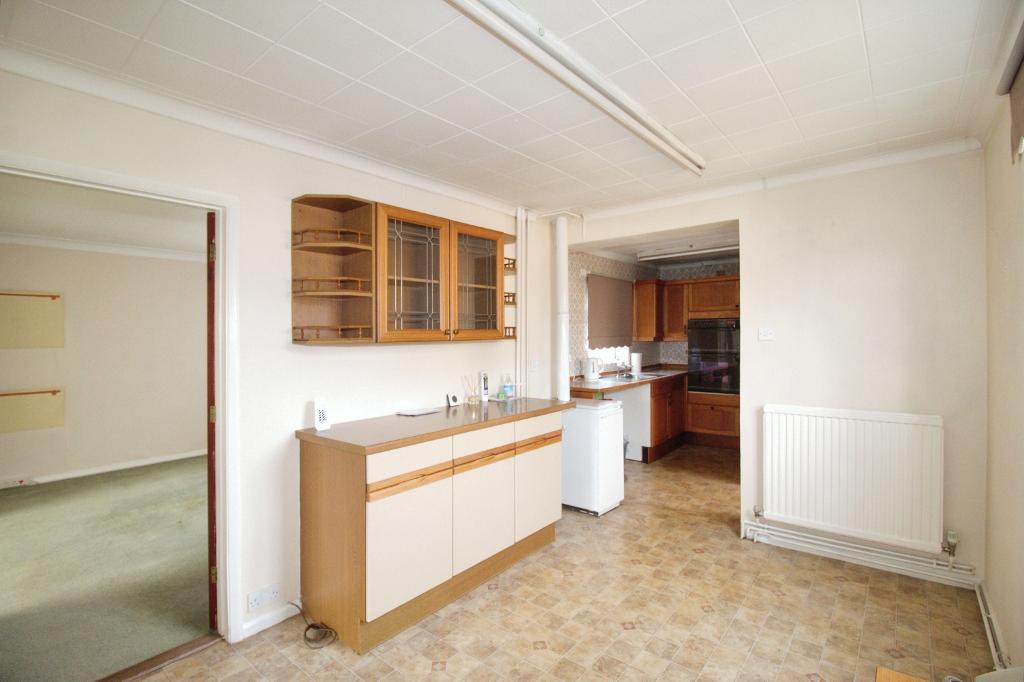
(268, 595)
(765, 333)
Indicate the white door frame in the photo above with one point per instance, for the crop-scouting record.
(230, 600)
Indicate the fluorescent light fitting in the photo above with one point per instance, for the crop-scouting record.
(654, 255)
(522, 32)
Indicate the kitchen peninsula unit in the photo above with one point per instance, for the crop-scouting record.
(402, 515)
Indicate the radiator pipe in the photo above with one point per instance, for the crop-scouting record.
(561, 267)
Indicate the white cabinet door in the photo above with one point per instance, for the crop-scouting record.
(484, 512)
(408, 545)
(538, 489)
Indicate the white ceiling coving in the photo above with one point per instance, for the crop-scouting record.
(756, 87)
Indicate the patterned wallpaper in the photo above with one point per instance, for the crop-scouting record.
(582, 263)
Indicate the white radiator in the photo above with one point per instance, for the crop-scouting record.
(871, 475)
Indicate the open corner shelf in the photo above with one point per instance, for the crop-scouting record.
(332, 270)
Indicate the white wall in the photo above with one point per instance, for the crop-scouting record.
(875, 285)
(278, 379)
(1005, 551)
(133, 365)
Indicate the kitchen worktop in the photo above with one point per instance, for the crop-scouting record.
(368, 436)
(609, 383)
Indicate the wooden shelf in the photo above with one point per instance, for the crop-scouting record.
(322, 334)
(510, 265)
(510, 332)
(338, 248)
(332, 294)
(414, 280)
(331, 285)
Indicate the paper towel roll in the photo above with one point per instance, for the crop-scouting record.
(636, 361)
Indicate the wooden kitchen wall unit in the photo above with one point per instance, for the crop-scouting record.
(715, 414)
(332, 270)
(400, 516)
(676, 310)
(714, 297)
(647, 316)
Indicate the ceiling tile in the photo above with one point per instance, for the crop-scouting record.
(339, 42)
(695, 130)
(751, 115)
(992, 16)
(427, 160)
(565, 111)
(840, 118)
(506, 161)
(643, 81)
(748, 9)
(583, 162)
(676, 179)
(776, 155)
(521, 85)
(908, 102)
(327, 125)
(382, 144)
(819, 63)
(661, 25)
(655, 164)
(270, 18)
(550, 148)
(204, 37)
(468, 107)
(715, 150)
(674, 108)
(412, 80)
(537, 174)
(853, 87)
(468, 146)
(919, 122)
(920, 33)
(625, 150)
(731, 91)
(129, 16)
(774, 135)
(602, 176)
(290, 72)
(177, 73)
(56, 31)
(404, 21)
(616, 6)
(368, 105)
(596, 133)
(983, 52)
(423, 128)
(257, 101)
(606, 47)
(513, 130)
(803, 25)
(878, 12)
(726, 167)
(466, 50)
(564, 17)
(921, 69)
(710, 58)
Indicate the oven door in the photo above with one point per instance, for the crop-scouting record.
(714, 336)
(714, 372)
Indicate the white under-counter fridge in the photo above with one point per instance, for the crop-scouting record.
(593, 475)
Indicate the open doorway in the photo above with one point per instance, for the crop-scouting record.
(107, 503)
(655, 324)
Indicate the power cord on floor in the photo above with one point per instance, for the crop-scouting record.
(316, 635)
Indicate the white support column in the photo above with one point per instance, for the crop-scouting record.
(561, 266)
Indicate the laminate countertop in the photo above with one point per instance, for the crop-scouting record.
(609, 384)
(368, 436)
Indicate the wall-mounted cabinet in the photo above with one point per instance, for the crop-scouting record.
(676, 311)
(647, 305)
(332, 270)
(718, 297)
(365, 272)
(438, 280)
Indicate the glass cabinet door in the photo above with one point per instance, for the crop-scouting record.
(477, 282)
(412, 276)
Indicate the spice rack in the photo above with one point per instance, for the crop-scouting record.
(332, 270)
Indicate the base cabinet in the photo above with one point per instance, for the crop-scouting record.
(713, 413)
(410, 529)
(538, 489)
(484, 512)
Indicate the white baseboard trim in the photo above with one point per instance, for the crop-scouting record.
(269, 619)
(999, 657)
(131, 464)
(915, 566)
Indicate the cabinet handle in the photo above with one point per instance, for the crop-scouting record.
(455, 331)
(447, 332)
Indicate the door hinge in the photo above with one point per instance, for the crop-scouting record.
(213, 574)
(213, 251)
(213, 414)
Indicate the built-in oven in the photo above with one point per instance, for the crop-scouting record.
(714, 355)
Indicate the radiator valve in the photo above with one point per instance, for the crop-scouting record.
(758, 512)
(949, 546)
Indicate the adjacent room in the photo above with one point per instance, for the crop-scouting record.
(103, 450)
(384, 340)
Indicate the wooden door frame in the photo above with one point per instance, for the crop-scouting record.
(230, 599)
(211, 408)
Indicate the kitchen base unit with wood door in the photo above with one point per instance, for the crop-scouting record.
(713, 419)
(402, 515)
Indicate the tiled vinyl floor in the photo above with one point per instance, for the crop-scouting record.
(661, 588)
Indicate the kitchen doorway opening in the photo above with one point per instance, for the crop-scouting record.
(108, 502)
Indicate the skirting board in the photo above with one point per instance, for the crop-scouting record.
(269, 619)
(131, 464)
(935, 570)
(999, 657)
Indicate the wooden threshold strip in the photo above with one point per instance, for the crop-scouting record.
(536, 442)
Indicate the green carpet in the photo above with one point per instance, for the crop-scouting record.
(101, 572)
